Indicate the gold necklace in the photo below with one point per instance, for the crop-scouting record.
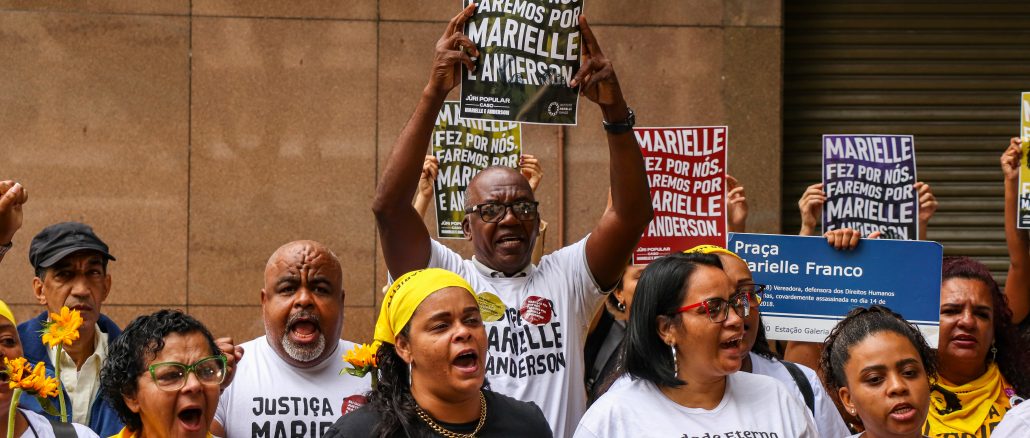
(440, 430)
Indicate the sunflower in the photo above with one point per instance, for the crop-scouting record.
(63, 327)
(32, 381)
(16, 370)
(361, 356)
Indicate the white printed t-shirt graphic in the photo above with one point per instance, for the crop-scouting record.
(827, 419)
(270, 398)
(536, 326)
(753, 405)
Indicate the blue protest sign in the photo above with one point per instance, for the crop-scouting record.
(811, 285)
(869, 184)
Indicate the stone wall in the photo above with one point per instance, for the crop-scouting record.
(198, 136)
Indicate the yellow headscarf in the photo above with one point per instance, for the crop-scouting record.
(7, 313)
(712, 249)
(406, 294)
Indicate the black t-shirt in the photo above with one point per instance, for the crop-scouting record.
(505, 417)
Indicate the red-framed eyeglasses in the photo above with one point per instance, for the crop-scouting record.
(718, 309)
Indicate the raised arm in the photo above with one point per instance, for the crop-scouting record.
(736, 206)
(811, 206)
(927, 207)
(530, 168)
(12, 196)
(405, 239)
(619, 229)
(424, 196)
(1017, 286)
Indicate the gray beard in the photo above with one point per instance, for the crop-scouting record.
(303, 353)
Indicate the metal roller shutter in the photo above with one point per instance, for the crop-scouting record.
(948, 72)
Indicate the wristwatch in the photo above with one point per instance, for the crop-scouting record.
(5, 248)
(623, 126)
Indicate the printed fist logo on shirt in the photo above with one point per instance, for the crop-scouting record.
(352, 403)
(537, 310)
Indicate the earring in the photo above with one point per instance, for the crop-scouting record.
(409, 375)
(853, 411)
(675, 366)
(621, 306)
(994, 351)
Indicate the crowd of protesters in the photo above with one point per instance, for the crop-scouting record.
(606, 349)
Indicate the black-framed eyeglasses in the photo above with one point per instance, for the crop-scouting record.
(755, 293)
(172, 376)
(718, 309)
(493, 212)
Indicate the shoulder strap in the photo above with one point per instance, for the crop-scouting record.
(62, 430)
(595, 340)
(803, 384)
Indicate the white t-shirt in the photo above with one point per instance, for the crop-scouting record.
(536, 326)
(269, 397)
(1015, 423)
(43, 429)
(827, 419)
(753, 406)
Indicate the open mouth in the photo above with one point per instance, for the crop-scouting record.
(304, 331)
(509, 241)
(191, 418)
(734, 343)
(903, 412)
(467, 361)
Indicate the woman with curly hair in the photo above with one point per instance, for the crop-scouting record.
(880, 366)
(162, 376)
(430, 359)
(982, 360)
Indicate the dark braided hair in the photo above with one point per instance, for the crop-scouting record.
(1013, 351)
(391, 397)
(859, 324)
(761, 346)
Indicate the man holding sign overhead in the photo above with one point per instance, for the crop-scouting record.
(536, 316)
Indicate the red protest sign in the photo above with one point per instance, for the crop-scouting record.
(686, 168)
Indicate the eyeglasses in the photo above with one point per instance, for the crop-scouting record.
(755, 293)
(493, 212)
(718, 309)
(172, 376)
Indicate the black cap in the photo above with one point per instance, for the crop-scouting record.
(59, 240)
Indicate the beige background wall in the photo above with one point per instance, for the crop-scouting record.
(196, 137)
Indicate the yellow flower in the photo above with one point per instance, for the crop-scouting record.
(16, 370)
(361, 356)
(63, 327)
(32, 382)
